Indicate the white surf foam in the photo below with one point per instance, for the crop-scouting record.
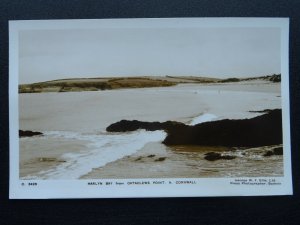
(102, 149)
(203, 118)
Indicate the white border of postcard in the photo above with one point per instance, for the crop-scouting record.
(172, 187)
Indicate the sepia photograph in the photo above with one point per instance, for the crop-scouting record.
(139, 102)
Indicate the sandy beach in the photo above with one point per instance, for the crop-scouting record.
(158, 161)
(46, 153)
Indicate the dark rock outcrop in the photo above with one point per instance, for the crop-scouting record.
(275, 151)
(138, 159)
(150, 158)
(278, 151)
(213, 156)
(268, 153)
(28, 133)
(261, 111)
(49, 159)
(132, 125)
(160, 159)
(258, 131)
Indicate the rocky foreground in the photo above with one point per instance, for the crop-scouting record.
(262, 130)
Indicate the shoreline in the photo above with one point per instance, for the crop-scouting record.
(183, 163)
(152, 155)
(62, 114)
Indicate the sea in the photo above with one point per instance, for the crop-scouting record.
(75, 144)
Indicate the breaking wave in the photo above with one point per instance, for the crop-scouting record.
(203, 118)
(101, 149)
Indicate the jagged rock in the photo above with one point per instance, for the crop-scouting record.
(278, 151)
(261, 111)
(213, 156)
(160, 159)
(275, 151)
(49, 159)
(132, 125)
(258, 131)
(138, 159)
(268, 153)
(28, 133)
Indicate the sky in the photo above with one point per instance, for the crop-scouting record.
(115, 52)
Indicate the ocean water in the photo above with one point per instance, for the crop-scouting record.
(76, 144)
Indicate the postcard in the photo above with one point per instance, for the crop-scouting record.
(160, 107)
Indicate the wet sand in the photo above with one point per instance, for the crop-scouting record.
(44, 154)
(156, 160)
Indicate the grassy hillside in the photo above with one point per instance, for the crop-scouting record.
(273, 78)
(96, 84)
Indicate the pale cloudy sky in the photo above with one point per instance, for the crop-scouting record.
(213, 52)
